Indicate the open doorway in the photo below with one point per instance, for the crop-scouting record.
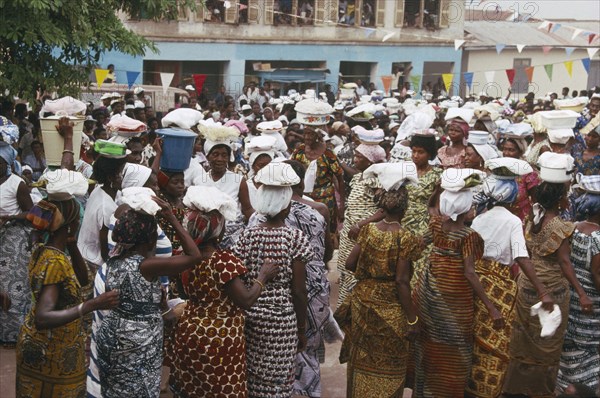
(400, 74)
(432, 81)
(353, 71)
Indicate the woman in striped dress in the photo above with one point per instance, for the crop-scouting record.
(445, 299)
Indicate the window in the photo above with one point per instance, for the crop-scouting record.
(521, 82)
(430, 14)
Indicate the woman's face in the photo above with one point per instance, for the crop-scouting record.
(455, 133)
(310, 138)
(117, 179)
(260, 162)
(472, 159)
(152, 183)
(176, 187)
(420, 157)
(510, 150)
(135, 156)
(218, 158)
(592, 140)
(360, 161)
(198, 145)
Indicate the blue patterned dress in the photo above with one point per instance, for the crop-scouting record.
(131, 336)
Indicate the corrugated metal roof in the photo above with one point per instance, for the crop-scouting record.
(480, 34)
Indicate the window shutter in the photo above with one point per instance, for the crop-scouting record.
(268, 4)
(331, 10)
(320, 11)
(444, 13)
(253, 11)
(199, 17)
(380, 13)
(231, 13)
(399, 20)
(182, 13)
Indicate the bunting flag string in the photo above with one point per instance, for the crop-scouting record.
(586, 64)
(569, 66)
(546, 49)
(199, 82)
(591, 38)
(416, 82)
(549, 68)
(101, 76)
(458, 44)
(500, 47)
(520, 47)
(529, 72)
(553, 27)
(447, 78)
(468, 76)
(387, 84)
(569, 51)
(131, 78)
(489, 76)
(510, 73)
(166, 79)
(592, 51)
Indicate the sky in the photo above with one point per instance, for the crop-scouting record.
(548, 9)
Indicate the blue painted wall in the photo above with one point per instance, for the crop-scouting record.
(237, 54)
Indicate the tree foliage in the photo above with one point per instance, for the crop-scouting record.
(55, 44)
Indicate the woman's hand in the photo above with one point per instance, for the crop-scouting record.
(65, 127)
(106, 301)
(354, 231)
(268, 271)
(587, 306)
(547, 303)
(497, 318)
(157, 145)
(165, 208)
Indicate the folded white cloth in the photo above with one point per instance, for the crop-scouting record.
(63, 184)
(453, 204)
(135, 175)
(392, 176)
(207, 199)
(550, 321)
(184, 118)
(64, 106)
(140, 199)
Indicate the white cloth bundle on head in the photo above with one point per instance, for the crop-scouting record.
(550, 321)
(123, 123)
(486, 152)
(501, 190)
(368, 137)
(392, 176)
(560, 136)
(508, 167)
(272, 200)
(277, 174)
(207, 199)
(140, 199)
(135, 175)
(273, 129)
(184, 118)
(453, 204)
(462, 113)
(455, 180)
(415, 122)
(64, 184)
(64, 106)
(261, 145)
(217, 134)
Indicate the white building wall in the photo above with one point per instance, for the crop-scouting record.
(480, 61)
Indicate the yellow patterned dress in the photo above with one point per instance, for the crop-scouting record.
(374, 343)
(51, 363)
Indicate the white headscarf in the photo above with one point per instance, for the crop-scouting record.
(453, 204)
(135, 175)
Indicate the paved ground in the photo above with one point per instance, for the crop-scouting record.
(332, 373)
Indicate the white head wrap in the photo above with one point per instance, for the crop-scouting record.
(392, 176)
(63, 184)
(207, 199)
(272, 200)
(135, 175)
(140, 199)
(453, 204)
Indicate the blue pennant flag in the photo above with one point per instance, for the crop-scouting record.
(569, 50)
(500, 47)
(468, 76)
(586, 64)
(556, 27)
(131, 78)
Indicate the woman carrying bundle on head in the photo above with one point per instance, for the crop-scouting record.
(534, 361)
(379, 310)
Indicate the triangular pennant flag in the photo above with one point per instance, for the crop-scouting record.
(556, 27)
(489, 76)
(387, 83)
(546, 49)
(458, 43)
(101, 76)
(416, 82)
(549, 69)
(529, 72)
(199, 82)
(369, 32)
(500, 47)
(586, 64)
(131, 78)
(520, 47)
(591, 37)
(468, 79)
(550, 25)
(569, 50)
(569, 66)
(592, 51)
(388, 36)
(544, 25)
(447, 78)
(510, 73)
(165, 80)
(576, 33)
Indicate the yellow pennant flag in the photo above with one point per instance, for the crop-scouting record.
(447, 78)
(569, 66)
(101, 76)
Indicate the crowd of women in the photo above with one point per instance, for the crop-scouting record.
(467, 238)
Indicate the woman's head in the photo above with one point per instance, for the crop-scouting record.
(218, 157)
(393, 202)
(587, 206)
(424, 149)
(366, 155)
(458, 130)
(171, 183)
(272, 201)
(133, 228)
(260, 161)
(50, 215)
(512, 149)
(108, 171)
(592, 139)
(204, 227)
(472, 159)
(312, 137)
(552, 196)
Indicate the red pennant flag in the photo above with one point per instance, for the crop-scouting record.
(529, 72)
(510, 73)
(591, 38)
(199, 82)
(546, 49)
(550, 25)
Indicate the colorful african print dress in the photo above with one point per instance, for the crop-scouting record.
(588, 167)
(129, 341)
(534, 360)
(522, 205)
(271, 328)
(374, 344)
(209, 349)
(359, 206)
(328, 168)
(447, 161)
(580, 359)
(445, 301)
(51, 363)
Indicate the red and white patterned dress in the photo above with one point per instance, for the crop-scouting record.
(271, 328)
(209, 358)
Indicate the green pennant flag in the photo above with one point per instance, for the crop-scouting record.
(416, 82)
(549, 69)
